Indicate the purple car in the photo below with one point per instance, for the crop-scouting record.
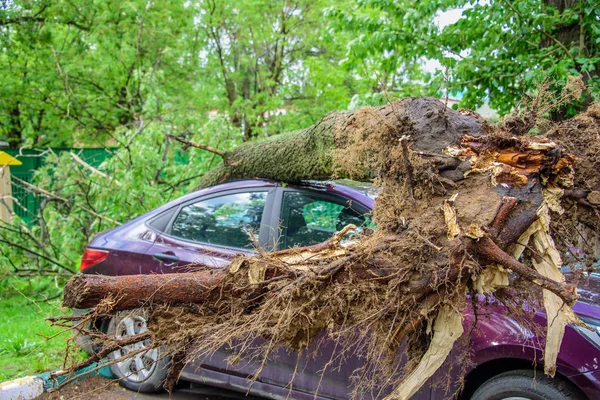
(211, 226)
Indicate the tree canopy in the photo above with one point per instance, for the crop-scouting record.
(75, 73)
(497, 51)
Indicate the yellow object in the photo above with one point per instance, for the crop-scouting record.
(8, 160)
(6, 200)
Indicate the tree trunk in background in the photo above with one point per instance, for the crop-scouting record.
(573, 35)
(566, 34)
(14, 130)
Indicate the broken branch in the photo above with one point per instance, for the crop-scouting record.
(189, 143)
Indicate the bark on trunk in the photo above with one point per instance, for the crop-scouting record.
(134, 291)
(309, 153)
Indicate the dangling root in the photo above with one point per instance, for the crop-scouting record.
(548, 263)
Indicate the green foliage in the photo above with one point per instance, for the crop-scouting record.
(496, 52)
(74, 73)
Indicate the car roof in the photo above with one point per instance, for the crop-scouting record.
(363, 192)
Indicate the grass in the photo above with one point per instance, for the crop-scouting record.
(24, 349)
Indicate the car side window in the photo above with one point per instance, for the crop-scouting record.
(308, 219)
(223, 220)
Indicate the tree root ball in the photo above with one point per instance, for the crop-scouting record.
(463, 207)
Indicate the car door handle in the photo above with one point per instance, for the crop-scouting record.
(166, 257)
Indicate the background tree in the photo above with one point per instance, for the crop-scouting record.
(76, 73)
(497, 51)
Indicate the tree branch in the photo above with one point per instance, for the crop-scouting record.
(94, 170)
(37, 254)
(118, 343)
(189, 143)
(53, 196)
(42, 20)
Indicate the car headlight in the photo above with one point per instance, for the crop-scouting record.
(592, 335)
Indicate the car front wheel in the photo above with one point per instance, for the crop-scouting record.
(144, 371)
(524, 385)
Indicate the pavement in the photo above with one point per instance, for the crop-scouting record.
(98, 388)
(101, 385)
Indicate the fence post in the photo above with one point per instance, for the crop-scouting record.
(6, 203)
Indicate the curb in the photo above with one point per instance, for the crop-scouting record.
(30, 387)
(26, 388)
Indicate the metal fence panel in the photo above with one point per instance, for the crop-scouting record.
(27, 204)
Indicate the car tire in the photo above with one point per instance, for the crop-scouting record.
(524, 385)
(146, 371)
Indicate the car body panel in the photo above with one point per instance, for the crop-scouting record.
(588, 383)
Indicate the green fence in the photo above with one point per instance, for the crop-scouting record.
(27, 203)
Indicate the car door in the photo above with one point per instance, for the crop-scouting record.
(306, 217)
(211, 230)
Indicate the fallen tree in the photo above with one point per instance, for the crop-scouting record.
(462, 204)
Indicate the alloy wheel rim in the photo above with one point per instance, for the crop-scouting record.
(140, 366)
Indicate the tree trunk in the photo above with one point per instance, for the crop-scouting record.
(566, 34)
(15, 134)
(308, 154)
(574, 35)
